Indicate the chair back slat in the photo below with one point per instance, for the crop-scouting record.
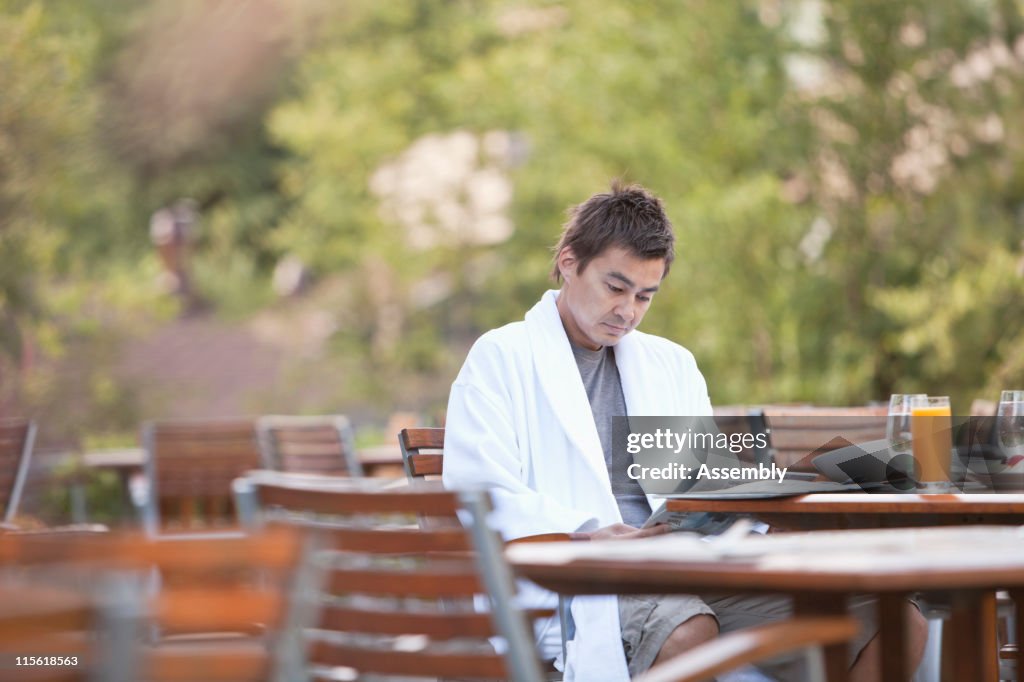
(422, 452)
(190, 466)
(436, 503)
(277, 548)
(422, 438)
(797, 435)
(17, 439)
(190, 663)
(425, 465)
(34, 612)
(228, 609)
(408, 663)
(52, 546)
(320, 445)
(427, 584)
(399, 540)
(450, 625)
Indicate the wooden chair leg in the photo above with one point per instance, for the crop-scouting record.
(836, 667)
(973, 637)
(1016, 646)
(892, 618)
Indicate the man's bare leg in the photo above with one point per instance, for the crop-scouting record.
(687, 635)
(868, 666)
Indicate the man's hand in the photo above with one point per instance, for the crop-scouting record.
(620, 531)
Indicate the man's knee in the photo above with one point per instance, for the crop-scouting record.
(693, 632)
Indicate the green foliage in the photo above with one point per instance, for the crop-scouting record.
(922, 264)
(839, 238)
(98, 492)
(782, 297)
(44, 112)
(632, 93)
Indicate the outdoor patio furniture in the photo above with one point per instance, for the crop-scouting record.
(315, 444)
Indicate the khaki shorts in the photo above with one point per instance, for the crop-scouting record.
(647, 621)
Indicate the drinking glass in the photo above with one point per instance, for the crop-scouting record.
(1010, 426)
(897, 424)
(932, 433)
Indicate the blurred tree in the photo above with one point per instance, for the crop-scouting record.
(184, 104)
(689, 101)
(845, 175)
(63, 221)
(52, 185)
(838, 172)
(915, 168)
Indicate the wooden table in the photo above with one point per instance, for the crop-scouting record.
(378, 461)
(126, 462)
(382, 461)
(820, 571)
(868, 510)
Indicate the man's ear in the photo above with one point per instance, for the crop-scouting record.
(567, 262)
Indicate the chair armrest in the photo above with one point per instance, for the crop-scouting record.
(543, 537)
(751, 645)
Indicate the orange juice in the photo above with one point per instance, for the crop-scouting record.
(931, 428)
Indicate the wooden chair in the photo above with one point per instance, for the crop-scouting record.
(373, 563)
(798, 434)
(17, 437)
(213, 614)
(189, 468)
(422, 452)
(386, 587)
(318, 445)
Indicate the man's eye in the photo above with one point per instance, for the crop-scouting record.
(615, 289)
(644, 299)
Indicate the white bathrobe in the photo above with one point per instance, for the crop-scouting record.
(519, 423)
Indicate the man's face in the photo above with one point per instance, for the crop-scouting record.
(609, 298)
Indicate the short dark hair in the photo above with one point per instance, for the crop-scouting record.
(629, 216)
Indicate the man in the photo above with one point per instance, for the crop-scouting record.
(529, 417)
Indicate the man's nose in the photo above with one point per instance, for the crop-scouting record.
(626, 311)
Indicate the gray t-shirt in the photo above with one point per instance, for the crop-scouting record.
(604, 389)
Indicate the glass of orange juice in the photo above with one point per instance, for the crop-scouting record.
(932, 430)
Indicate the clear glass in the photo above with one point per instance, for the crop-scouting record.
(1010, 426)
(931, 426)
(897, 425)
